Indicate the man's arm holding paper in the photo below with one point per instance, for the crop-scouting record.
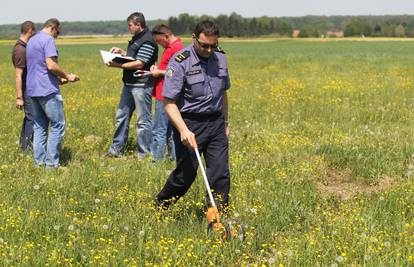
(133, 65)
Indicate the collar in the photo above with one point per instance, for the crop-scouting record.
(139, 35)
(174, 43)
(196, 59)
(21, 42)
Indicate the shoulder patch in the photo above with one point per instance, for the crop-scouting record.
(169, 73)
(183, 56)
(218, 49)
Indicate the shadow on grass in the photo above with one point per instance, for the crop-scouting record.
(65, 156)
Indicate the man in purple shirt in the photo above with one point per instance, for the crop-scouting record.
(43, 77)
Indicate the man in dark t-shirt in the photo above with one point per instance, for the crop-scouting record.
(22, 100)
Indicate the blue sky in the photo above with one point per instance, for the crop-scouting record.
(13, 11)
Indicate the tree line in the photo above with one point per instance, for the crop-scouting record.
(234, 25)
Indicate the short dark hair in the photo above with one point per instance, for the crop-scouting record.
(161, 29)
(55, 23)
(137, 17)
(27, 26)
(207, 27)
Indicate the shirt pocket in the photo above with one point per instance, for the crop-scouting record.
(195, 85)
(220, 80)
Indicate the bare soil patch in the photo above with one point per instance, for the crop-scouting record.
(92, 139)
(340, 183)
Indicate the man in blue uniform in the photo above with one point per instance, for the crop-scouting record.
(195, 100)
(137, 89)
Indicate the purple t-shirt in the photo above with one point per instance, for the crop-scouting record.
(40, 81)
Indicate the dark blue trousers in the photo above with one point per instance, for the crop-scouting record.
(213, 144)
(26, 133)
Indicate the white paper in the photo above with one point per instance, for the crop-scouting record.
(108, 56)
(142, 73)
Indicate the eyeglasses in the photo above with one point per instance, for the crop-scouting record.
(158, 32)
(206, 46)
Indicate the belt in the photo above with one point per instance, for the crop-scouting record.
(202, 116)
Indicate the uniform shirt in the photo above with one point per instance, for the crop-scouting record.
(172, 48)
(19, 59)
(195, 85)
(40, 81)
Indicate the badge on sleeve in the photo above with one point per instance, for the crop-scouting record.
(169, 73)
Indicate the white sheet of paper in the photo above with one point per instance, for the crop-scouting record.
(108, 56)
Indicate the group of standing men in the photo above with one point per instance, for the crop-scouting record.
(38, 76)
(189, 85)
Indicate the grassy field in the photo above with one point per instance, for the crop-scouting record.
(322, 164)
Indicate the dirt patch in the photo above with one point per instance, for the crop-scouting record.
(92, 139)
(340, 183)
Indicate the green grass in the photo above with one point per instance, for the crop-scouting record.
(298, 110)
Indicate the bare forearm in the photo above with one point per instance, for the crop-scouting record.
(19, 82)
(19, 85)
(160, 73)
(133, 65)
(53, 67)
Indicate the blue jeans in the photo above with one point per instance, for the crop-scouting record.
(133, 98)
(162, 133)
(48, 110)
(26, 134)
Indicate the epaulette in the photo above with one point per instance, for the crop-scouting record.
(218, 49)
(183, 56)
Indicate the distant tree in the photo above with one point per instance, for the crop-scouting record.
(308, 31)
(223, 23)
(203, 17)
(174, 25)
(186, 23)
(357, 27)
(388, 29)
(377, 30)
(263, 25)
(399, 31)
(410, 26)
(283, 28)
(236, 25)
(252, 28)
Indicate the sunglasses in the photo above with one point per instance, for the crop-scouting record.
(206, 46)
(158, 32)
